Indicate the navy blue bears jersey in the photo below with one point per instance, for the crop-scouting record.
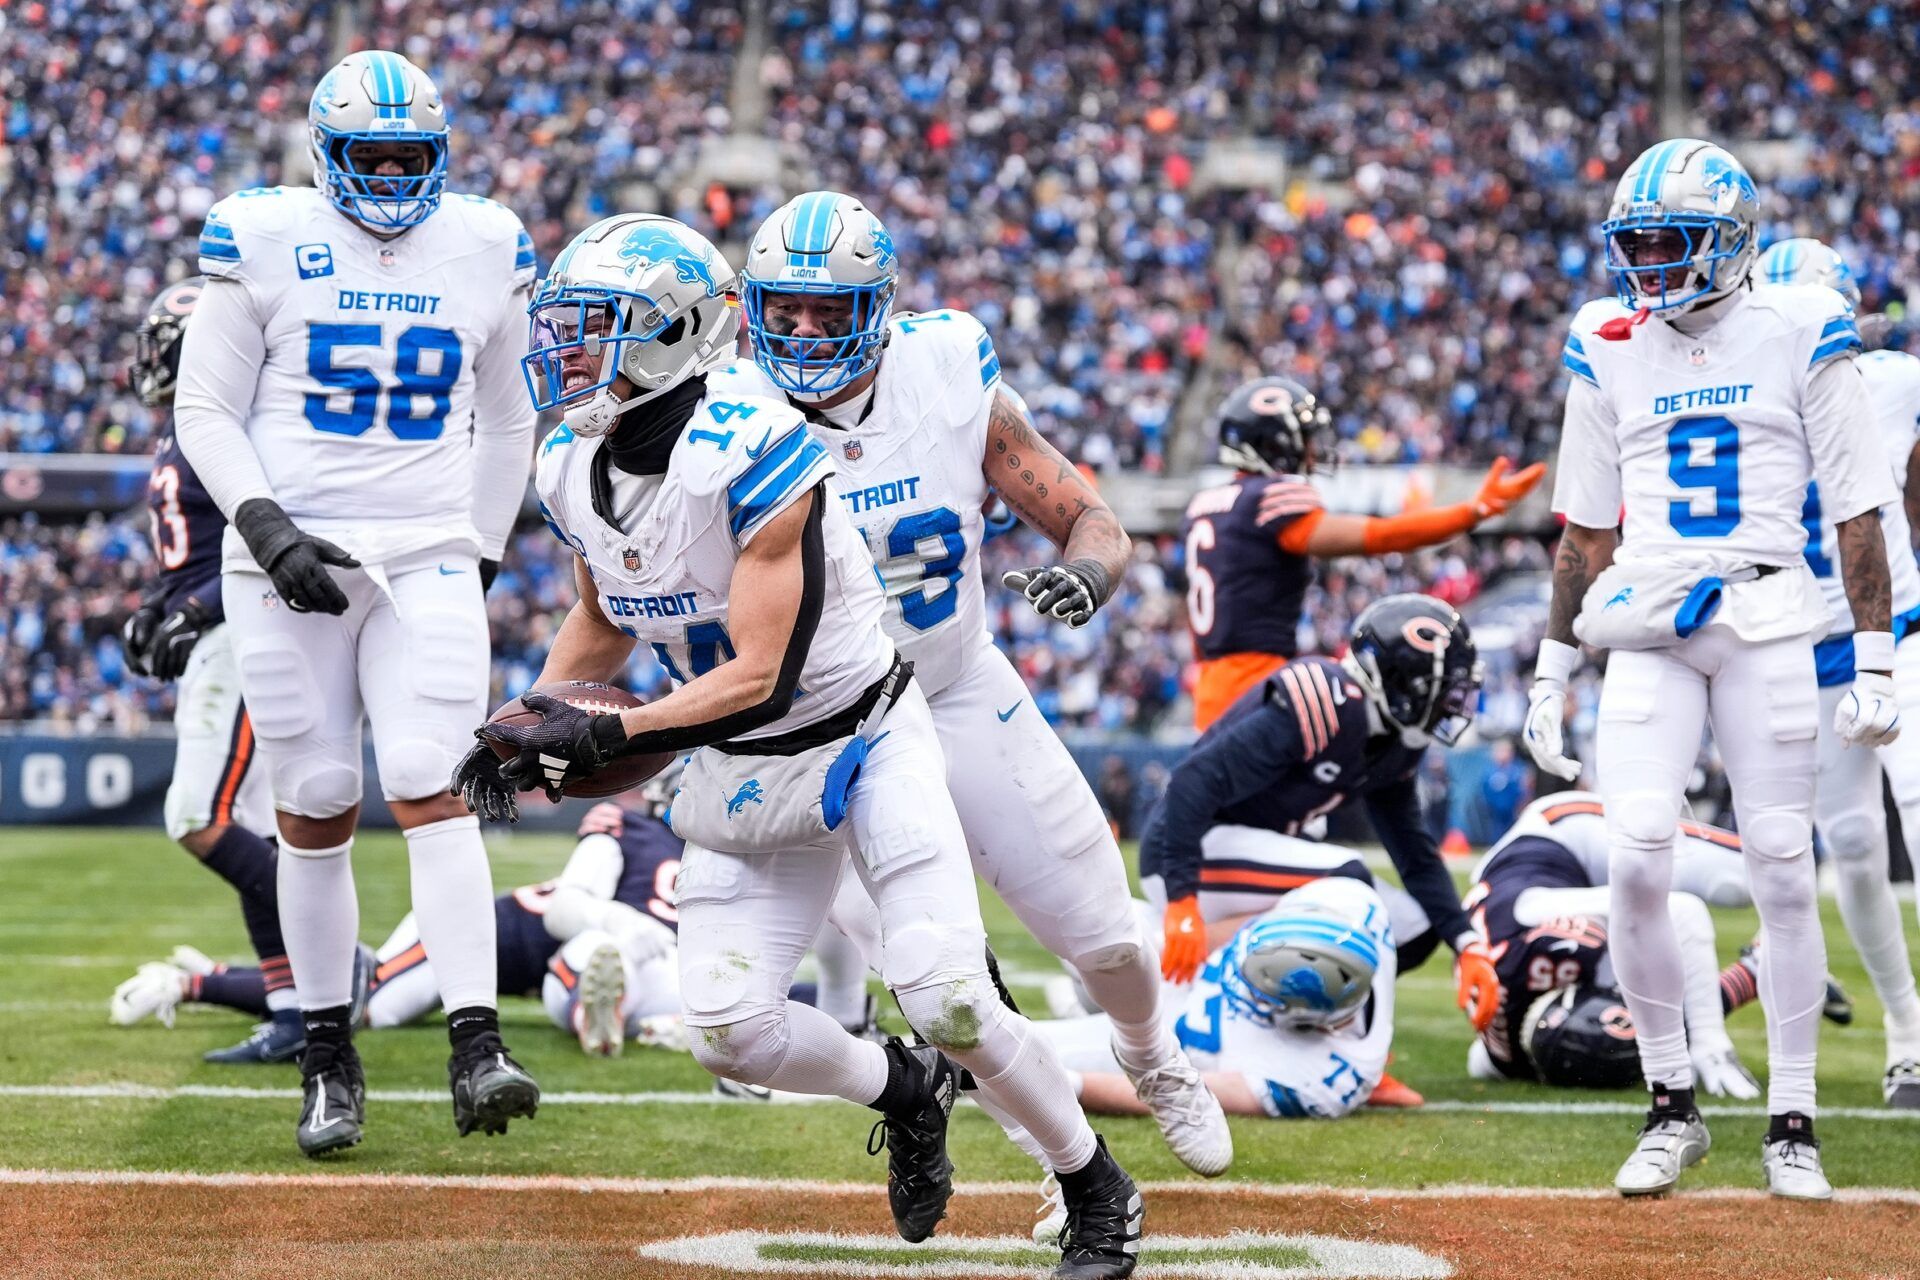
(650, 859)
(1244, 593)
(1531, 960)
(1295, 747)
(187, 526)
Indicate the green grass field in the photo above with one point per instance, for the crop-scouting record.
(79, 909)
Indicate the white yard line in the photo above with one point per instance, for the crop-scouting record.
(693, 1098)
(805, 1186)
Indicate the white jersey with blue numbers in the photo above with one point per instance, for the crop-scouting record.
(377, 354)
(1697, 446)
(1893, 385)
(664, 578)
(912, 480)
(1298, 1072)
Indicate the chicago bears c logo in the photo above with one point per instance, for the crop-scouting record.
(1428, 635)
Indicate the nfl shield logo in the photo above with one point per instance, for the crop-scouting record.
(386, 257)
(630, 559)
(1698, 356)
(853, 450)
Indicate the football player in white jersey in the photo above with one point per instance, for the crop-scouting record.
(1701, 404)
(703, 525)
(1847, 809)
(350, 396)
(926, 435)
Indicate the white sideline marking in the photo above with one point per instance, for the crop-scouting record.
(804, 1186)
(1333, 1258)
(694, 1098)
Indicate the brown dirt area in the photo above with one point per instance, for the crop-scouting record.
(322, 1233)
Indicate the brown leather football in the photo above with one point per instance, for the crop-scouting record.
(623, 774)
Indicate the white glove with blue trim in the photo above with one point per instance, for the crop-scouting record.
(1868, 716)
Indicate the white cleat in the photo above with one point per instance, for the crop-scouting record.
(1189, 1116)
(154, 990)
(1901, 1085)
(597, 1016)
(1792, 1165)
(1718, 1070)
(1668, 1144)
(1052, 1218)
(662, 1031)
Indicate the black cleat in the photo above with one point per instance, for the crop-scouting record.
(919, 1175)
(489, 1087)
(1101, 1240)
(335, 1104)
(279, 1039)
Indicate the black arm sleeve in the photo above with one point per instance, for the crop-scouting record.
(1223, 769)
(1398, 820)
(813, 591)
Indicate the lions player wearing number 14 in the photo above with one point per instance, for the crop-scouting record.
(350, 396)
(1702, 403)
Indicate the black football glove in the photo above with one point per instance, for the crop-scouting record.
(477, 780)
(297, 562)
(568, 744)
(136, 634)
(1069, 592)
(173, 643)
(489, 570)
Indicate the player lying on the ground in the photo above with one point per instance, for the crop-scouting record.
(219, 805)
(1312, 736)
(1540, 900)
(1848, 813)
(705, 525)
(1251, 542)
(926, 433)
(596, 943)
(349, 395)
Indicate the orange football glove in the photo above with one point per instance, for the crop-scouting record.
(604, 819)
(1479, 985)
(1500, 490)
(1184, 948)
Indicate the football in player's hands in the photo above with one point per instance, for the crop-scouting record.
(621, 774)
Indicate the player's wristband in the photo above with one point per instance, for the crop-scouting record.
(1873, 651)
(1557, 660)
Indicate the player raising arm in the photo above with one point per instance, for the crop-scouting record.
(703, 525)
(1703, 404)
(349, 396)
(1250, 542)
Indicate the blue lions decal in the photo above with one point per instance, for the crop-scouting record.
(648, 245)
(1727, 181)
(749, 793)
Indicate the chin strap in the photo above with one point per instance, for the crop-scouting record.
(597, 415)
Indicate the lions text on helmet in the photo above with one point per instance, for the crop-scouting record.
(378, 133)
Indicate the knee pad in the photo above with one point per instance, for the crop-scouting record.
(415, 768)
(313, 786)
(749, 1050)
(1858, 836)
(1110, 959)
(1777, 834)
(951, 1015)
(1643, 819)
(931, 953)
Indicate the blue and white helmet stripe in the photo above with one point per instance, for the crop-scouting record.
(821, 244)
(377, 97)
(1804, 260)
(1681, 231)
(1312, 965)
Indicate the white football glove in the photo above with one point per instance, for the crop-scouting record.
(1547, 710)
(1718, 1070)
(1868, 716)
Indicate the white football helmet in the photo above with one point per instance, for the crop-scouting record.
(1682, 230)
(1804, 260)
(376, 97)
(635, 296)
(821, 243)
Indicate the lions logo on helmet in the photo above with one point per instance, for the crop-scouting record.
(372, 111)
(1415, 660)
(1310, 961)
(1681, 232)
(819, 245)
(634, 296)
(1804, 260)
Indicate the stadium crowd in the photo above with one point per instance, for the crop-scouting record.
(1035, 166)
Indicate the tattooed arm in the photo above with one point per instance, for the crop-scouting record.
(1583, 554)
(1863, 567)
(1046, 491)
